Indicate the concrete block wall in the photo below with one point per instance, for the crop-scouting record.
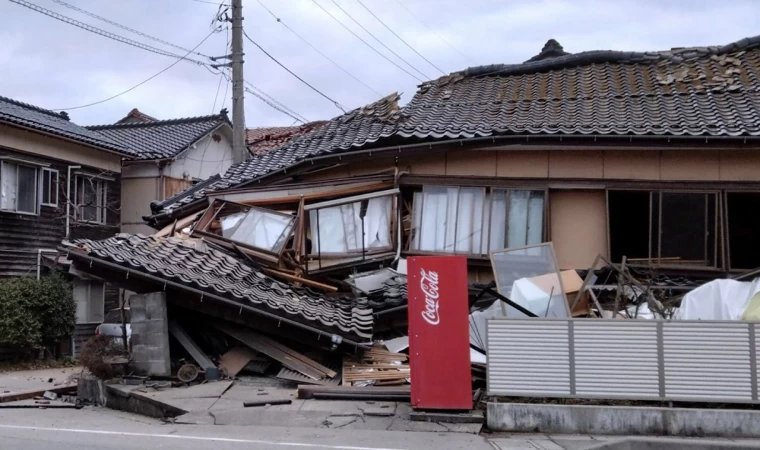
(150, 334)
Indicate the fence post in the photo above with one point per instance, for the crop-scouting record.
(661, 358)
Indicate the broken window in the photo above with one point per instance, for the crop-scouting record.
(249, 226)
(475, 221)
(355, 227)
(674, 228)
(743, 226)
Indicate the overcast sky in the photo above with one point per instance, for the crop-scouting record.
(55, 65)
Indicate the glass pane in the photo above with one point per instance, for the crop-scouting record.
(54, 188)
(9, 182)
(469, 220)
(95, 309)
(498, 222)
(416, 221)
(518, 219)
(377, 221)
(102, 201)
(684, 228)
(536, 218)
(230, 223)
(530, 277)
(81, 297)
(27, 189)
(339, 228)
(438, 219)
(46, 186)
(88, 200)
(263, 229)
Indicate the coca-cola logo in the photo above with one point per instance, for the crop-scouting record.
(429, 287)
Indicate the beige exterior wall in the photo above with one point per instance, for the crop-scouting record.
(52, 147)
(136, 195)
(578, 226)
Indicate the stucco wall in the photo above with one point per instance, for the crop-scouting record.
(207, 158)
(52, 147)
(136, 195)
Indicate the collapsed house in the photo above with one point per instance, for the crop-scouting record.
(645, 159)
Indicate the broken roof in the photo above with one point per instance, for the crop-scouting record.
(161, 139)
(194, 264)
(701, 91)
(265, 139)
(136, 116)
(17, 113)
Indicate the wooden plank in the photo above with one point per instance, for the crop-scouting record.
(234, 360)
(303, 358)
(306, 281)
(29, 394)
(192, 348)
(254, 340)
(284, 401)
(318, 196)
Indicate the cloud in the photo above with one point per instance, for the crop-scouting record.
(55, 65)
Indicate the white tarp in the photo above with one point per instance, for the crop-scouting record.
(718, 300)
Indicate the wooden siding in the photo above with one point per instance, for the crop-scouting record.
(82, 333)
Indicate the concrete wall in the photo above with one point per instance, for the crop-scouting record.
(622, 420)
(52, 147)
(150, 334)
(207, 157)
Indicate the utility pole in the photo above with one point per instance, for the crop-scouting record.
(239, 150)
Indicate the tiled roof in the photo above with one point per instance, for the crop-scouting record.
(193, 263)
(712, 91)
(703, 91)
(351, 130)
(136, 116)
(265, 139)
(23, 114)
(161, 139)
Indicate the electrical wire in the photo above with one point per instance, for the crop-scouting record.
(337, 105)
(131, 30)
(378, 40)
(436, 33)
(101, 32)
(367, 43)
(278, 103)
(138, 84)
(394, 33)
(316, 49)
(274, 106)
(210, 3)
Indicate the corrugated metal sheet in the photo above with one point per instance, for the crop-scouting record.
(528, 357)
(625, 359)
(707, 360)
(616, 358)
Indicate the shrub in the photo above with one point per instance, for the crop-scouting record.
(94, 353)
(36, 312)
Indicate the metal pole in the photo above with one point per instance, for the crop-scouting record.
(239, 151)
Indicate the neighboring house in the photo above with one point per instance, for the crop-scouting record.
(57, 180)
(265, 139)
(654, 156)
(171, 156)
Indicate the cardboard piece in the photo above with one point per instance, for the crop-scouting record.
(571, 283)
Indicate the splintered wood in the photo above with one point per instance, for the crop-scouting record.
(377, 367)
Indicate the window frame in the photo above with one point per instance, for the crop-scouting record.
(53, 186)
(655, 241)
(487, 213)
(88, 298)
(101, 193)
(21, 163)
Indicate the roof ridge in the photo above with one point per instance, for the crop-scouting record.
(675, 55)
(62, 115)
(157, 123)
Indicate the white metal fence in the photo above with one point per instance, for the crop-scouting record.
(705, 361)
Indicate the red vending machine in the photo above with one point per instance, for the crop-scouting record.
(439, 333)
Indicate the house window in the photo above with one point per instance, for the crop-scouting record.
(357, 227)
(90, 298)
(743, 225)
(90, 196)
(476, 221)
(19, 187)
(49, 191)
(668, 228)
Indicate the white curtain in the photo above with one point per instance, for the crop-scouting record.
(338, 229)
(8, 179)
(449, 219)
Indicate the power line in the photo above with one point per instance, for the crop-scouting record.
(316, 49)
(378, 40)
(131, 30)
(399, 37)
(434, 32)
(260, 97)
(138, 84)
(278, 103)
(101, 32)
(210, 3)
(367, 43)
(337, 105)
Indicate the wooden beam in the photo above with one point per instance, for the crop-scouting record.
(306, 281)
